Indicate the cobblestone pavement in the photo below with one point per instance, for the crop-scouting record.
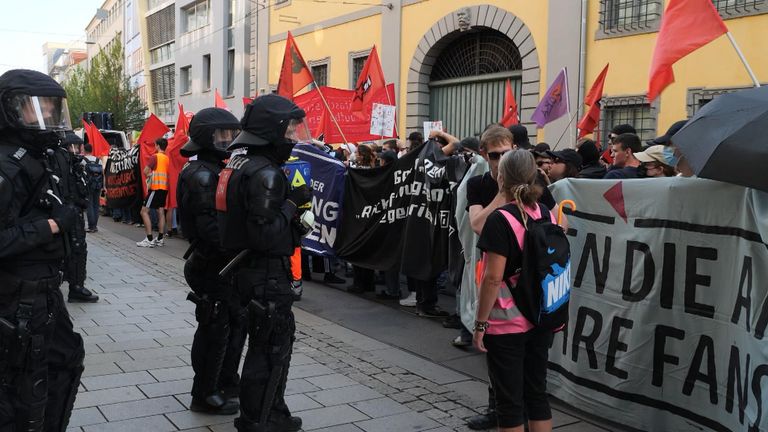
(138, 375)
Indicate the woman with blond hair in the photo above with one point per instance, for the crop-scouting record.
(517, 351)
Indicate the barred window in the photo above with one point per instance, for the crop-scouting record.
(634, 111)
(357, 68)
(698, 97)
(320, 72)
(735, 8)
(629, 15)
(163, 83)
(161, 27)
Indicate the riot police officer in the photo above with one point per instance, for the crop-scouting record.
(41, 357)
(76, 194)
(258, 214)
(219, 339)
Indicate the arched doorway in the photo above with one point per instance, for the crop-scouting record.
(461, 64)
(468, 80)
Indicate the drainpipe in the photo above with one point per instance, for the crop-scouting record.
(582, 58)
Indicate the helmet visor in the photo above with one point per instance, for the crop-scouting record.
(38, 112)
(298, 131)
(223, 137)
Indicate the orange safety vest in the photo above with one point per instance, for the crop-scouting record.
(160, 173)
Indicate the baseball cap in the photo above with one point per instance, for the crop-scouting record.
(589, 152)
(569, 156)
(666, 138)
(658, 153)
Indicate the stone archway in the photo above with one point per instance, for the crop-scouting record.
(449, 28)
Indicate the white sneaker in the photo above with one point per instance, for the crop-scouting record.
(145, 243)
(158, 242)
(409, 301)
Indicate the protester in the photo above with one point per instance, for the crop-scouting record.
(95, 180)
(520, 136)
(517, 351)
(387, 157)
(623, 149)
(543, 161)
(365, 157)
(157, 173)
(415, 139)
(666, 139)
(657, 161)
(565, 164)
(590, 157)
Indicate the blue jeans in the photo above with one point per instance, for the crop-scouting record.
(92, 212)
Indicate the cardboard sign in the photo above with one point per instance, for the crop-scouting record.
(383, 120)
(430, 126)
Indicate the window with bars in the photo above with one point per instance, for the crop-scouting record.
(357, 68)
(477, 53)
(320, 72)
(698, 97)
(617, 16)
(161, 27)
(735, 8)
(634, 110)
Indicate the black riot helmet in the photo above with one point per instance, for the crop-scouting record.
(272, 120)
(211, 129)
(33, 102)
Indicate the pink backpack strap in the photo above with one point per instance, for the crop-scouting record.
(516, 226)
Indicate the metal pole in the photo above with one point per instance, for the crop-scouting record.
(325, 102)
(743, 59)
(565, 130)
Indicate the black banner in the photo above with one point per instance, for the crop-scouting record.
(121, 177)
(400, 215)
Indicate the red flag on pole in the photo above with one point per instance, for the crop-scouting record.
(687, 25)
(176, 160)
(510, 116)
(370, 81)
(218, 101)
(97, 140)
(247, 101)
(294, 74)
(591, 118)
(154, 128)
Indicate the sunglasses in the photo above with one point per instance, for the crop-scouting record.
(542, 163)
(496, 155)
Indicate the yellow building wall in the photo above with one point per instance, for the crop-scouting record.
(281, 18)
(334, 42)
(714, 65)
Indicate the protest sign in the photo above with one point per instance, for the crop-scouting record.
(430, 126)
(399, 215)
(669, 305)
(121, 177)
(327, 192)
(382, 120)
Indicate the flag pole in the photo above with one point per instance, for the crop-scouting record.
(565, 130)
(743, 59)
(325, 102)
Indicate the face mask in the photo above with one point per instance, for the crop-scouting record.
(284, 151)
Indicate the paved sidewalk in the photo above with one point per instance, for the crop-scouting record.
(138, 377)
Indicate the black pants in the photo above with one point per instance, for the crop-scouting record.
(517, 367)
(75, 263)
(264, 289)
(38, 383)
(219, 339)
(426, 292)
(364, 278)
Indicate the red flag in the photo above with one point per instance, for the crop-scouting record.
(370, 81)
(294, 74)
(510, 116)
(154, 128)
(218, 101)
(687, 25)
(247, 101)
(591, 118)
(176, 160)
(99, 144)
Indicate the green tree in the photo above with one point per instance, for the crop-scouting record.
(103, 86)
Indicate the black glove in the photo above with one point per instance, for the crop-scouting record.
(300, 195)
(65, 217)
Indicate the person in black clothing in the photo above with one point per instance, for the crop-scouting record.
(483, 198)
(77, 194)
(625, 164)
(41, 356)
(259, 217)
(219, 339)
(590, 156)
(520, 137)
(565, 164)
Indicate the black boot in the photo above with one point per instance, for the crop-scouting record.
(483, 421)
(284, 424)
(81, 294)
(215, 404)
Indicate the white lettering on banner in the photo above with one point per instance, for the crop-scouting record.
(318, 186)
(329, 212)
(669, 308)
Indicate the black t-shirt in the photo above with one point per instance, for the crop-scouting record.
(482, 189)
(497, 237)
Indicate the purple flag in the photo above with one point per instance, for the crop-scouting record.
(554, 104)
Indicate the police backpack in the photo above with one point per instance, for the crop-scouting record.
(543, 289)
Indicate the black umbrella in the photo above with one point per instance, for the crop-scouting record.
(727, 140)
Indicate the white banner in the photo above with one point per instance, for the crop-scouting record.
(669, 310)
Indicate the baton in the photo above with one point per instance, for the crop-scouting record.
(236, 260)
(563, 203)
(190, 249)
